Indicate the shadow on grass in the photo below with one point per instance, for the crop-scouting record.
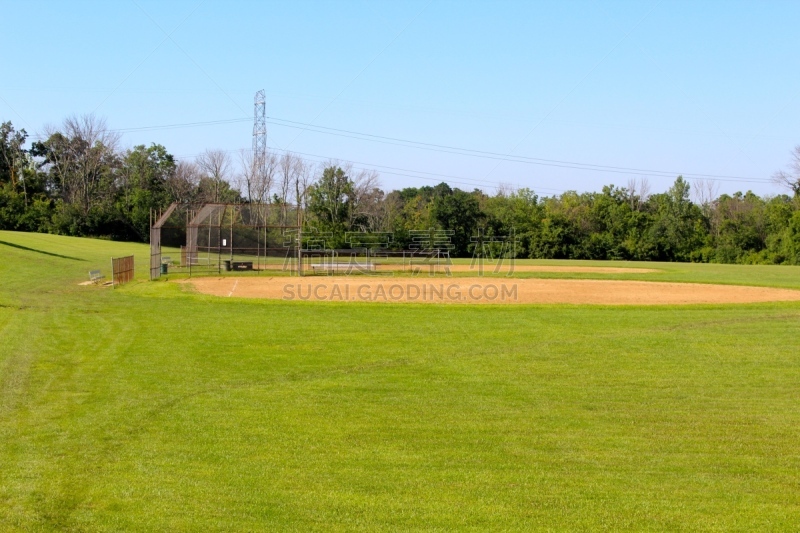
(41, 251)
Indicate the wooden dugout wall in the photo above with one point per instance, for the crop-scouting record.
(121, 270)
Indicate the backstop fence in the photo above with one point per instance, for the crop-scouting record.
(211, 238)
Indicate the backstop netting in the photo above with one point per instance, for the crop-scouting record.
(217, 237)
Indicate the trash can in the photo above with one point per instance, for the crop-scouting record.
(165, 268)
(226, 264)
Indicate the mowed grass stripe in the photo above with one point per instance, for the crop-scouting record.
(152, 408)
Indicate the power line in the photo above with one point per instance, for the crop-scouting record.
(185, 125)
(441, 148)
(563, 98)
(459, 180)
(171, 126)
(470, 182)
(504, 157)
(447, 176)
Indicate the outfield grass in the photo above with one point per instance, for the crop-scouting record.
(153, 408)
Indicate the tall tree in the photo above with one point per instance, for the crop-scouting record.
(24, 204)
(183, 182)
(368, 210)
(81, 161)
(12, 154)
(289, 167)
(458, 211)
(143, 185)
(330, 201)
(257, 182)
(216, 166)
(678, 224)
(791, 177)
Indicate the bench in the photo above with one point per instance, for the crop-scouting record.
(348, 267)
(165, 259)
(241, 265)
(95, 276)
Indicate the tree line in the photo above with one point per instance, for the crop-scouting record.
(77, 180)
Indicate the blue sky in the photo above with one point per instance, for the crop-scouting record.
(692, 87)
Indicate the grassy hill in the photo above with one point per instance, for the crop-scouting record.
(151, 408)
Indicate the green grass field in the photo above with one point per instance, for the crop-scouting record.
(152, 408)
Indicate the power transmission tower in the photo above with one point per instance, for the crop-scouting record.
(260, 134)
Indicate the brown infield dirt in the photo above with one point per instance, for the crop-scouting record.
(423, 289)
(506, 269)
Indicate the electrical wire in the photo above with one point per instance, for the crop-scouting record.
(505, 157)
(483, 154)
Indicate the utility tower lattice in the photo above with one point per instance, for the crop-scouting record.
(260, 133)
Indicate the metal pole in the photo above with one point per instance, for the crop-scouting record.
(299, 249)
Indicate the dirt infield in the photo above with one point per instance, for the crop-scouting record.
(537, 268)
(486, 290)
